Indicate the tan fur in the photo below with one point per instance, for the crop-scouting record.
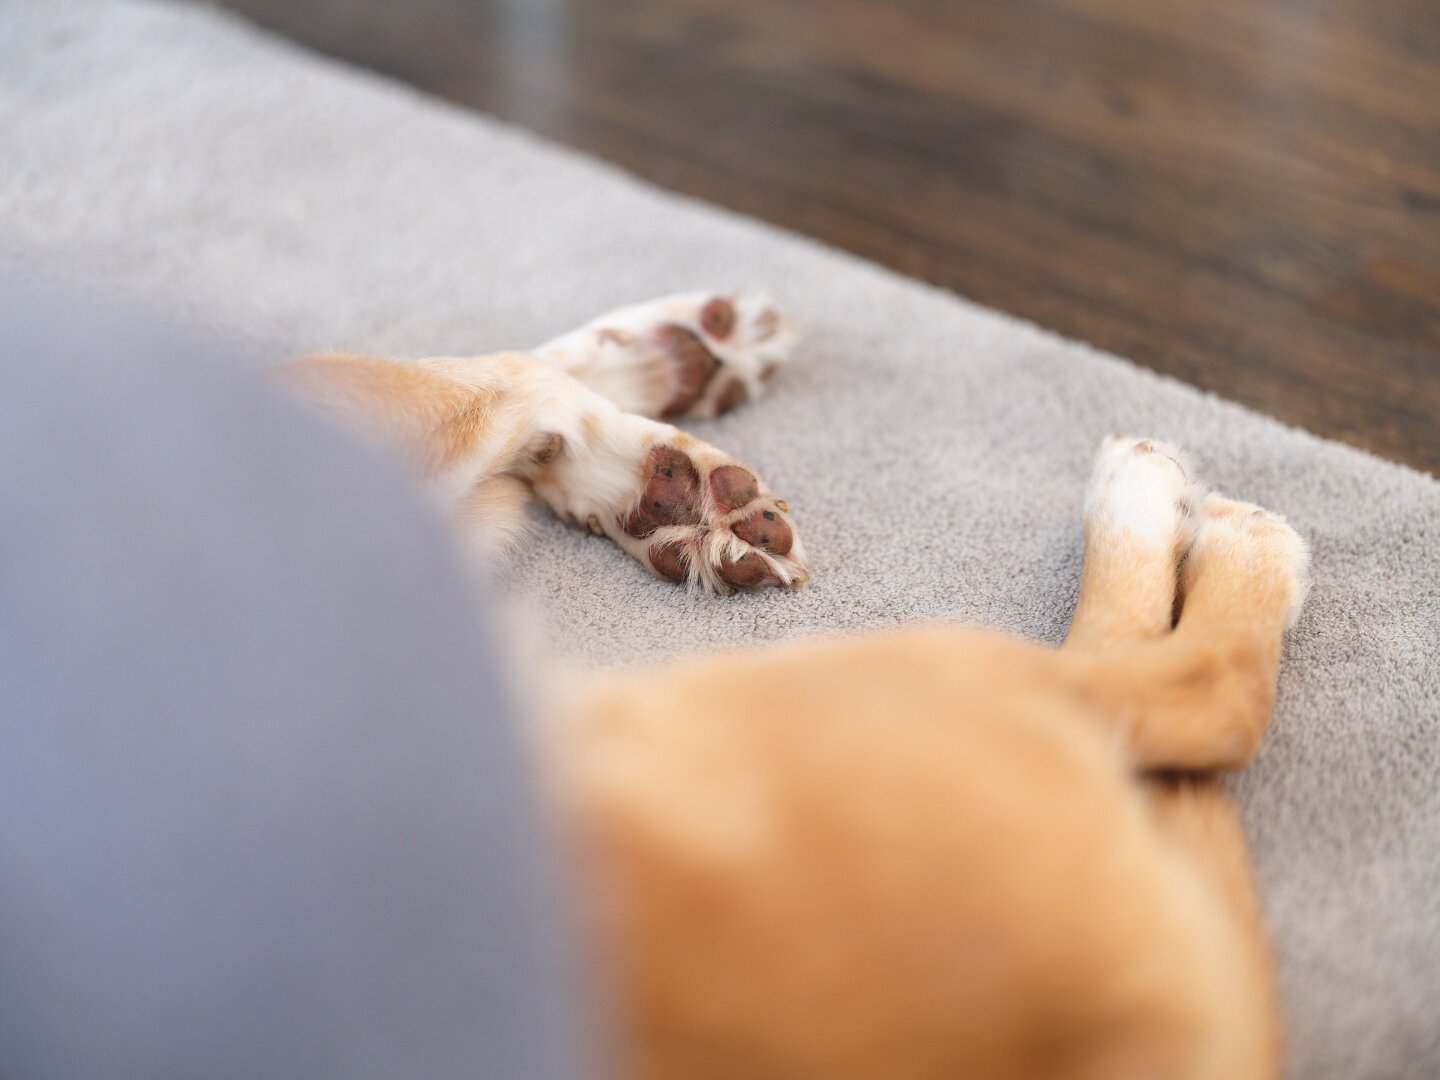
(421, 410)
(938, 853)
(942, 852)
(462, 424)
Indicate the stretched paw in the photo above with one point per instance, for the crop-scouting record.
(694, 355)
(1251, 540)
(1143, 488)
(686, 511)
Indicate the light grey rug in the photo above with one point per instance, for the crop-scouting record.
(934, 452)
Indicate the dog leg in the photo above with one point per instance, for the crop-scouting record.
(695, 355)
(476, 428)
(1196, 819)
(1139, 522)
(1199, 699)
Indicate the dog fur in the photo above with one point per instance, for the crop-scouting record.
(939, 852)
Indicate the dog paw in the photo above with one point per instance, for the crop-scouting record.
(695, 355)
(686, 511)
(1256, 542)
(1143, 488)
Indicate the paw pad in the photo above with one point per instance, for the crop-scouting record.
(691, 363)
(765, 530)
(717, 318)
(733, 487)
(746, 572)
(698, 354)
(709, 522)
(732, 397)
(671, 494)
(669, 560)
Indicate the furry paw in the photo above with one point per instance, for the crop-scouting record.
(1143, 488)
(1256, 542)
(686, 511)
(695, 355)
(703, 519)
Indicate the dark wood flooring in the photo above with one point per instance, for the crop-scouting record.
(1241, 193)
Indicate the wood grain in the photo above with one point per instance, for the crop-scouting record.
(1244, 194)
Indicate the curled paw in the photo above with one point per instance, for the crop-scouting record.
(694, 355)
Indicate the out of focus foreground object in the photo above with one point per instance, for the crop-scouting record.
(263, 809)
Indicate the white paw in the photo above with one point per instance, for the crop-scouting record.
(694, 355)
(686, 511)
(1143, 488)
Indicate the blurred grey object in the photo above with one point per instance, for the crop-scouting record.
(935, 452)
(263, 807)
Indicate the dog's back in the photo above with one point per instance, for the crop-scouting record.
(893, 857)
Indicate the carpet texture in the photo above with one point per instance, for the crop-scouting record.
(935, 453)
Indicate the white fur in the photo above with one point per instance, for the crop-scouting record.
(601, 479)
(1142, 488)
(613, 355)
(526, 425)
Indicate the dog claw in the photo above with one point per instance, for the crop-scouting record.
(593, 524)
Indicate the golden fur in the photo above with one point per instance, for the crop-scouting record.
(939, 852)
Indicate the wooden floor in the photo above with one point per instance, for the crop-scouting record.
(1241, 193)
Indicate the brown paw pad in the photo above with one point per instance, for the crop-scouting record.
(746, 572)
(733, 487)
(731, 396)
(692, 364)
(670, 560)
(765, 530)
(671, 494)
(717, 318)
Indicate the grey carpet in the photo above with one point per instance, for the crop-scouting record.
(935, 452)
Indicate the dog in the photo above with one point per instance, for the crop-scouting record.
(934, 852)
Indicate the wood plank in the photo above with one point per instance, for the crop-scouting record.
(1243, 193)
